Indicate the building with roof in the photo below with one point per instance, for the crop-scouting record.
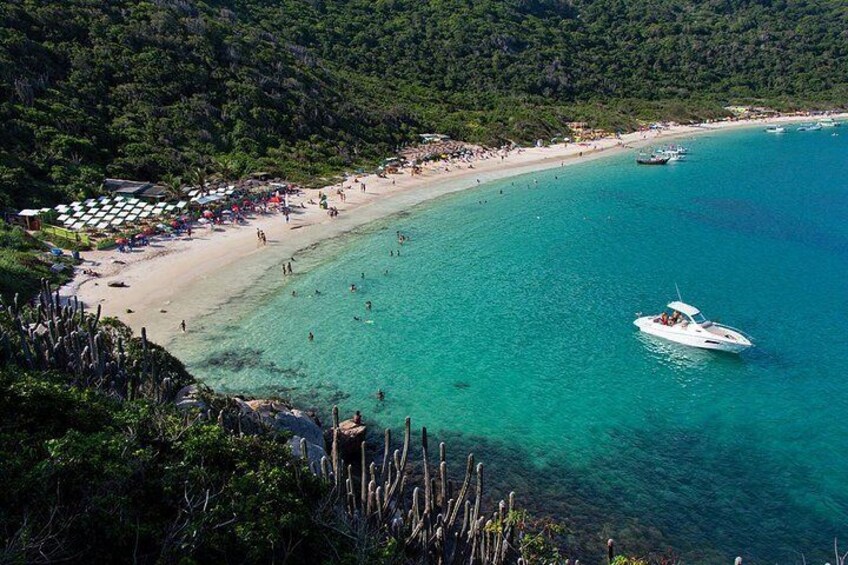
(137, 189)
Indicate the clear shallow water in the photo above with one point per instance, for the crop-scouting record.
(505, 327)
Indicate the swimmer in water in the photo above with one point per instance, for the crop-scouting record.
(353, 288)
(368, 305)
(380, 395)
(311, 337)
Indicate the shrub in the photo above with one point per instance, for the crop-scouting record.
(106, 243)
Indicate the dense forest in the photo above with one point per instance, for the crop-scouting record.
(309, 88)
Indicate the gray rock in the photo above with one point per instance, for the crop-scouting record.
(313, 451)
(301, 425)
(187, 399)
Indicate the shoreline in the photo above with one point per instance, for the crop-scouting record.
(186, 279)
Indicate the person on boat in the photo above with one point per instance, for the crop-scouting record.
(675, 317)
(664, 319)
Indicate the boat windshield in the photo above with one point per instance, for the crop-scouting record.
(699, 318)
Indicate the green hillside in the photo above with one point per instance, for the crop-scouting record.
(305, 89)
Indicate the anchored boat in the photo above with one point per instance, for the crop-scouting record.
(686, 325)
(652, 160)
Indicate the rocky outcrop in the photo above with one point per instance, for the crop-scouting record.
(261, 416)
(189, 397)
(351, 436)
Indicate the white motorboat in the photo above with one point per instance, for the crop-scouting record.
(775, 129)
(686, 325)
(672, 153)
(828, 123)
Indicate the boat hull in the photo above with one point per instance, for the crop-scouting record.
(692, 337)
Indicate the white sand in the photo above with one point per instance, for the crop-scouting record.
(189, 278)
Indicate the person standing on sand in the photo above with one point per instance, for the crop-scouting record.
(183, 326)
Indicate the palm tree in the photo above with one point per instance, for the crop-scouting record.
(198, 178)
(226, 168)
(173, 187)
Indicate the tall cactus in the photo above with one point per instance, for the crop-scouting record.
(422, 517)
(53, 336)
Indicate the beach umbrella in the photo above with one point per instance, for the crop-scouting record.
(175, 224)
(208, 214)
(121, 241)
(148, 230)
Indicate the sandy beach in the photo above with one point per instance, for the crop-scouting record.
(185, 279)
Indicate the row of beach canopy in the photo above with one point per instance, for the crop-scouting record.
(104, 212)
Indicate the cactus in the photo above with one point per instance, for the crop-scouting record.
(429, 527)
(52, 336)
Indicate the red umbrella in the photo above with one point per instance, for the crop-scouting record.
(175, 224)
(208, 214)
(235, 208)
(148, 231)
(122, 241)
(275, 199)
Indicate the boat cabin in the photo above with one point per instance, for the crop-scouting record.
(680, 312)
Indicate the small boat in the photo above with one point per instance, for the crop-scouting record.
(652, 159)
(673, 153)
(775, 129)
(686, 325)
(827, 123)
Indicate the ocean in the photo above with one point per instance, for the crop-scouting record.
(504, 325)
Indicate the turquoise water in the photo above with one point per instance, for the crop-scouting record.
(505, 326)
